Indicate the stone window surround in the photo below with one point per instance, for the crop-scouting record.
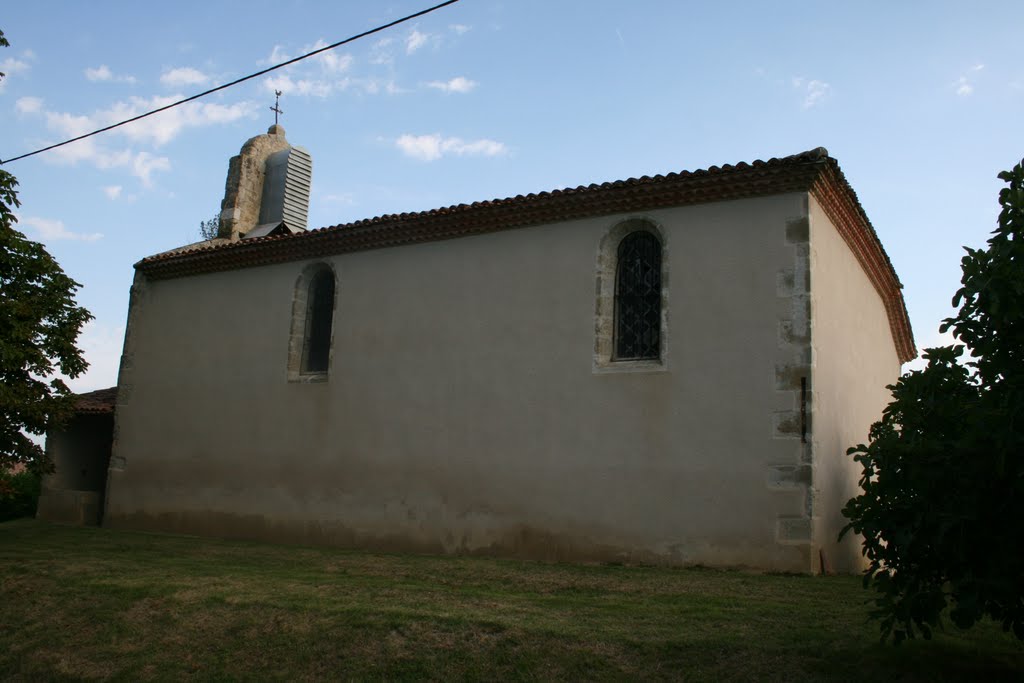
(298, 337)
(604, 312)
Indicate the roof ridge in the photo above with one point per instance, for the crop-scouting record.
(812, 171)
(812, 156)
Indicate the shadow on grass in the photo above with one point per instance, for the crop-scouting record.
(93, 603)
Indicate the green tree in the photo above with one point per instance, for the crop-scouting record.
(942, 508)
(39, 326)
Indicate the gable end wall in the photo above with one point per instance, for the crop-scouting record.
(854, 356)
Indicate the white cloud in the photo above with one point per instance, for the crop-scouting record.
(112, 191)
(336, 63)
(158, 129)
(459, 29)
(373, 86)
(277, 55)
(331, 60)
(319, 77)
(314, 87)
(459, 84)
(140, 164)
(12, 66)
(346, 198)
(182, 76)
(380, 52)
(415, 40)
(103, 73)
(143, 164)
(423, 147)
(53, 230)
(814, 91)
(433, 147)
(28, 105)
(67, 124)
(484, 147)
(963, 86)
(100, 73)
(303, 86)
(83, 150)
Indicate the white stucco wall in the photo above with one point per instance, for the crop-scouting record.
(463, 412)
(854, 358)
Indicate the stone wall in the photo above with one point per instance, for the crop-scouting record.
(243, 191)
(792, 424)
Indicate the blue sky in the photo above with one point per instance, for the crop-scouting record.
(920, 102)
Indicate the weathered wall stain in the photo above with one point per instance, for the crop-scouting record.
(464, 410)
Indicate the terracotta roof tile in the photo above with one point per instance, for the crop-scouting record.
(96, 402)
(813, 171)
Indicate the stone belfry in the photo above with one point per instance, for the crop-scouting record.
(267, 189)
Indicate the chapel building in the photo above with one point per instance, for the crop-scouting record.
(665, 369)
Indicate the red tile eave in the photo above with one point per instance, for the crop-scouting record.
(841, 205)
(777, 176)
(812, 171)
(100, 402)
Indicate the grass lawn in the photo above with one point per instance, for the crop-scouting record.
(92, 603)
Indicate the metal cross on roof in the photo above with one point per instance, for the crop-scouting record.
(276, 108)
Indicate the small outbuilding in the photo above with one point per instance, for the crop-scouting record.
(75, 491)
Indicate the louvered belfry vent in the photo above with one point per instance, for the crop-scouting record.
(287, 180)
(267, 189)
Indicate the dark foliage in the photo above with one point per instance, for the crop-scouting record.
(211, 228)
(39, 325)
(19, 494)
(943, 474)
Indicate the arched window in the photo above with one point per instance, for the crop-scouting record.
(631, 313)
(312, 328)
(316, 346)
(638, 298)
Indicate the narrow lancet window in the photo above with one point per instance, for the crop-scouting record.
(638, 298)
(316, 350)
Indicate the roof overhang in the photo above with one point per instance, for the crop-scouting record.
(99, 402)
(814, 172)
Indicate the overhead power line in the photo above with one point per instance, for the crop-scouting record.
(237, 81)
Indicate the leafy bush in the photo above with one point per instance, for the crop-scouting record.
(19, 494)
(943, 474)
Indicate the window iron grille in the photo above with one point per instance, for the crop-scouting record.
(638, 298)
